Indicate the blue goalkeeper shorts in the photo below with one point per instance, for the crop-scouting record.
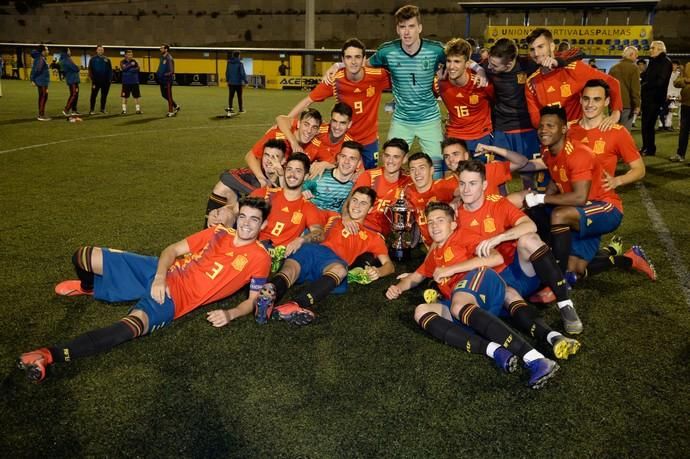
(313, 260)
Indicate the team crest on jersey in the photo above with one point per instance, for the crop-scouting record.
(363, 235)
(563, 175)
(240, 262)
(599, 147)
(371, 91)
(565, 90)
(448, 254)
(489, 225)
(521, 78)
(296, 217)
(474, 99)
(426, 65)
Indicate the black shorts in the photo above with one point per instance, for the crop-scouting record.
(132, 89)
(242, 181)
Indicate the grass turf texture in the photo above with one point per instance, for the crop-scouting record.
(363, 381)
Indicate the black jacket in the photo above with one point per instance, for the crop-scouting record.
(656, 78)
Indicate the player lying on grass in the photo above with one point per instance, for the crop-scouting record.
(230, 188)
(474, 295)
(324, 266)
(235, 183)
(324, 147)
(200, 269)
(498, 224)
(581, 205)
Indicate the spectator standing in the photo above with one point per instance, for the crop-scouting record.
(100, 74)
(130, 81)
(166, 76)
(683, 82)
(654, 87)
(672, 97)
(40, 77)
(628, 75)
(71, 72)
(236, 77)
(283, 68)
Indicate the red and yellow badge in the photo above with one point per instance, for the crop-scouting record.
(599, 147)
(371, 91)
(474, 99)
(565, 90)
(296, 217)
(448, 254)
(240, 262)
(489, 225)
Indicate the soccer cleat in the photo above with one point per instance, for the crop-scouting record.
(544, 295)
(139, 112)
(75, 113)
(35, 364)
(65, 113)
(677, 159)
(358, 276)
(640, 261)
(229, 109)
(171, 114)
(571, 322)
(91, 112)
(616, 245)
(123, 112)
(104, 112)
(505, 360)
(243, 111)
(43, 118)
(430, 296)
(263, 307)
(294, 314)
(571, 279)
(565, 347)
(540, 371)
(177, 108)
(71, 288)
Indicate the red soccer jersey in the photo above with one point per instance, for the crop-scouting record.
(562, 86)
(575, 163)
(469, 109)
(608, 146)
(386, 194)
(495, 216)
(322, 148)
(287, 219)
(349, 246)
(455, 250)
(441, 190)
(215, 268)
(497, 173)
(363, 96)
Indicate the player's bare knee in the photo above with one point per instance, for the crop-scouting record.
(529, 242)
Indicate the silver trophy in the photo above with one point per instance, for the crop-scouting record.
(404, 231)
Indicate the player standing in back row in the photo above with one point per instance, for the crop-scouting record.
(166, 77)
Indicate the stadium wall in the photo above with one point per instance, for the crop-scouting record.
(280, 23)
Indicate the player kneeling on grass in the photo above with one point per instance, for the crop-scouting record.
(474, 296)
(325, 265)
(201, 269)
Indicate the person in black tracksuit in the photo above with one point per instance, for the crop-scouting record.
(100, 74)
(654, 89)
(166, 77)
(71, 72)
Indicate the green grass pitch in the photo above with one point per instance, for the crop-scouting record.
(362, 382)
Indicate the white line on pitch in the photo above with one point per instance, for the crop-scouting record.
(664, 235)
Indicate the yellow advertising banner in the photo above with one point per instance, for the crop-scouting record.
(591, 39)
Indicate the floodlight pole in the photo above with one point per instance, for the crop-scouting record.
(309, 27)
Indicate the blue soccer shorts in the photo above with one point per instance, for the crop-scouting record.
(370, 155)
(313, 260)
(515, 277)
(596, 219)
(128, 277)
(487, 288)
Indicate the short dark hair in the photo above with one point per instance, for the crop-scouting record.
(311, 113)
(596, 83)
(342, 108)
(442, 206)
(353, 43)
(369, 191)
(554, 110)
(276, 143)
(235, 54)
(473, 165)
(453, 141)
(458, 47)
(504, 49)
(397, 143)
(129, 51)
(420, 155)
(538, 32)
(351, 144)
(256, 203)
(166, 46)
(407, 12)
(301, 157)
